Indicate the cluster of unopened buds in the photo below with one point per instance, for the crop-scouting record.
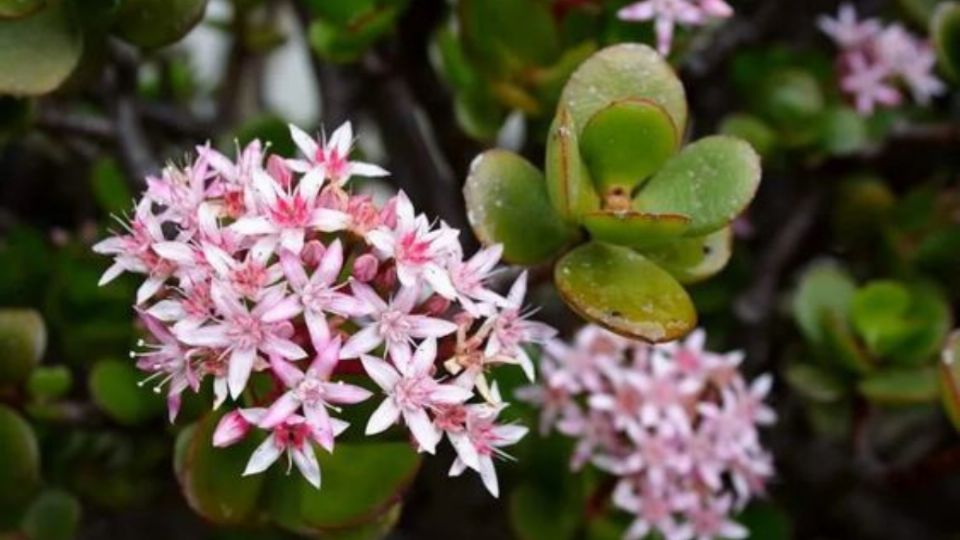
(875, 61)
(667, 14)
(267, 267)
(675, 425)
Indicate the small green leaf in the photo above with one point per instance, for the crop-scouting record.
(843, 131)
(624, 71)
(624, 292)
(906, 324)
(47, 383)
(155, 23)
(568, 182)
(711, 180)
(840, 346)
(38, 52)
(625, 142)
(54, 515)
(361, 483)
(212, 478)
(690, 260)
(20, 462)
(814, 383)
(14, 9)
(751, 129)
(791, 97)
(23, 339)
(902, 386)
(633, 229)
(114, 388)
(945, 28)
(345, 43)
(507, 204)
(506, 36)
(824, 287)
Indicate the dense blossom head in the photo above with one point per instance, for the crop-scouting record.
(877, 61)
(674, 423)
(667, 14)
(269, 269)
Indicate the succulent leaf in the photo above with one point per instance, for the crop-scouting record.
(625, 142)
(634, 229)
(625, 292)
(507, 204)
(155, 23)
(711, 180)
(690, 260)
(39, 51)
(945, 29)
(568, 183)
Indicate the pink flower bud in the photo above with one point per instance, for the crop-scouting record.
(435, 305)
(231, 429)
(312, 253)
(365, 267)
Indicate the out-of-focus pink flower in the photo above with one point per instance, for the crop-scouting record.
(875, 61)
(667, 14)
(675, 423)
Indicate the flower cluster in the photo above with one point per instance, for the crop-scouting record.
(268, 268)
(675, 424)
(875, 60)
(666, 14)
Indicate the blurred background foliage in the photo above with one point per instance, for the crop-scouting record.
(844, 282)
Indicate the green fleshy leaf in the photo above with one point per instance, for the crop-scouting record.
(507, 204)
(23, 339)
(625, 142)
(843, 131)
(345, 43)
(823, 288)
(38, 52)
(907, 324)
(814, 383)
(945, 29)
(839, 345)
(14, 9)
(20, 464)
(537, 513)
(54, 515)
(504, 36)
(624, 292)
(361, 483)
(711, 180)
(155, 23)
(949, 371)
(690, 260)
(919, 11)
(902, 386)
(633, 229)
(115, 390)
(48, 383)
(568, 182)
(791, 98)
(751, 129)
(624, 71)
(212, 478)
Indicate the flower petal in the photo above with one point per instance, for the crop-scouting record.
(264, 456)
(385, 416)
(381, 372)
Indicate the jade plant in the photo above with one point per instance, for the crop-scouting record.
(625, 212)
(878, 341)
